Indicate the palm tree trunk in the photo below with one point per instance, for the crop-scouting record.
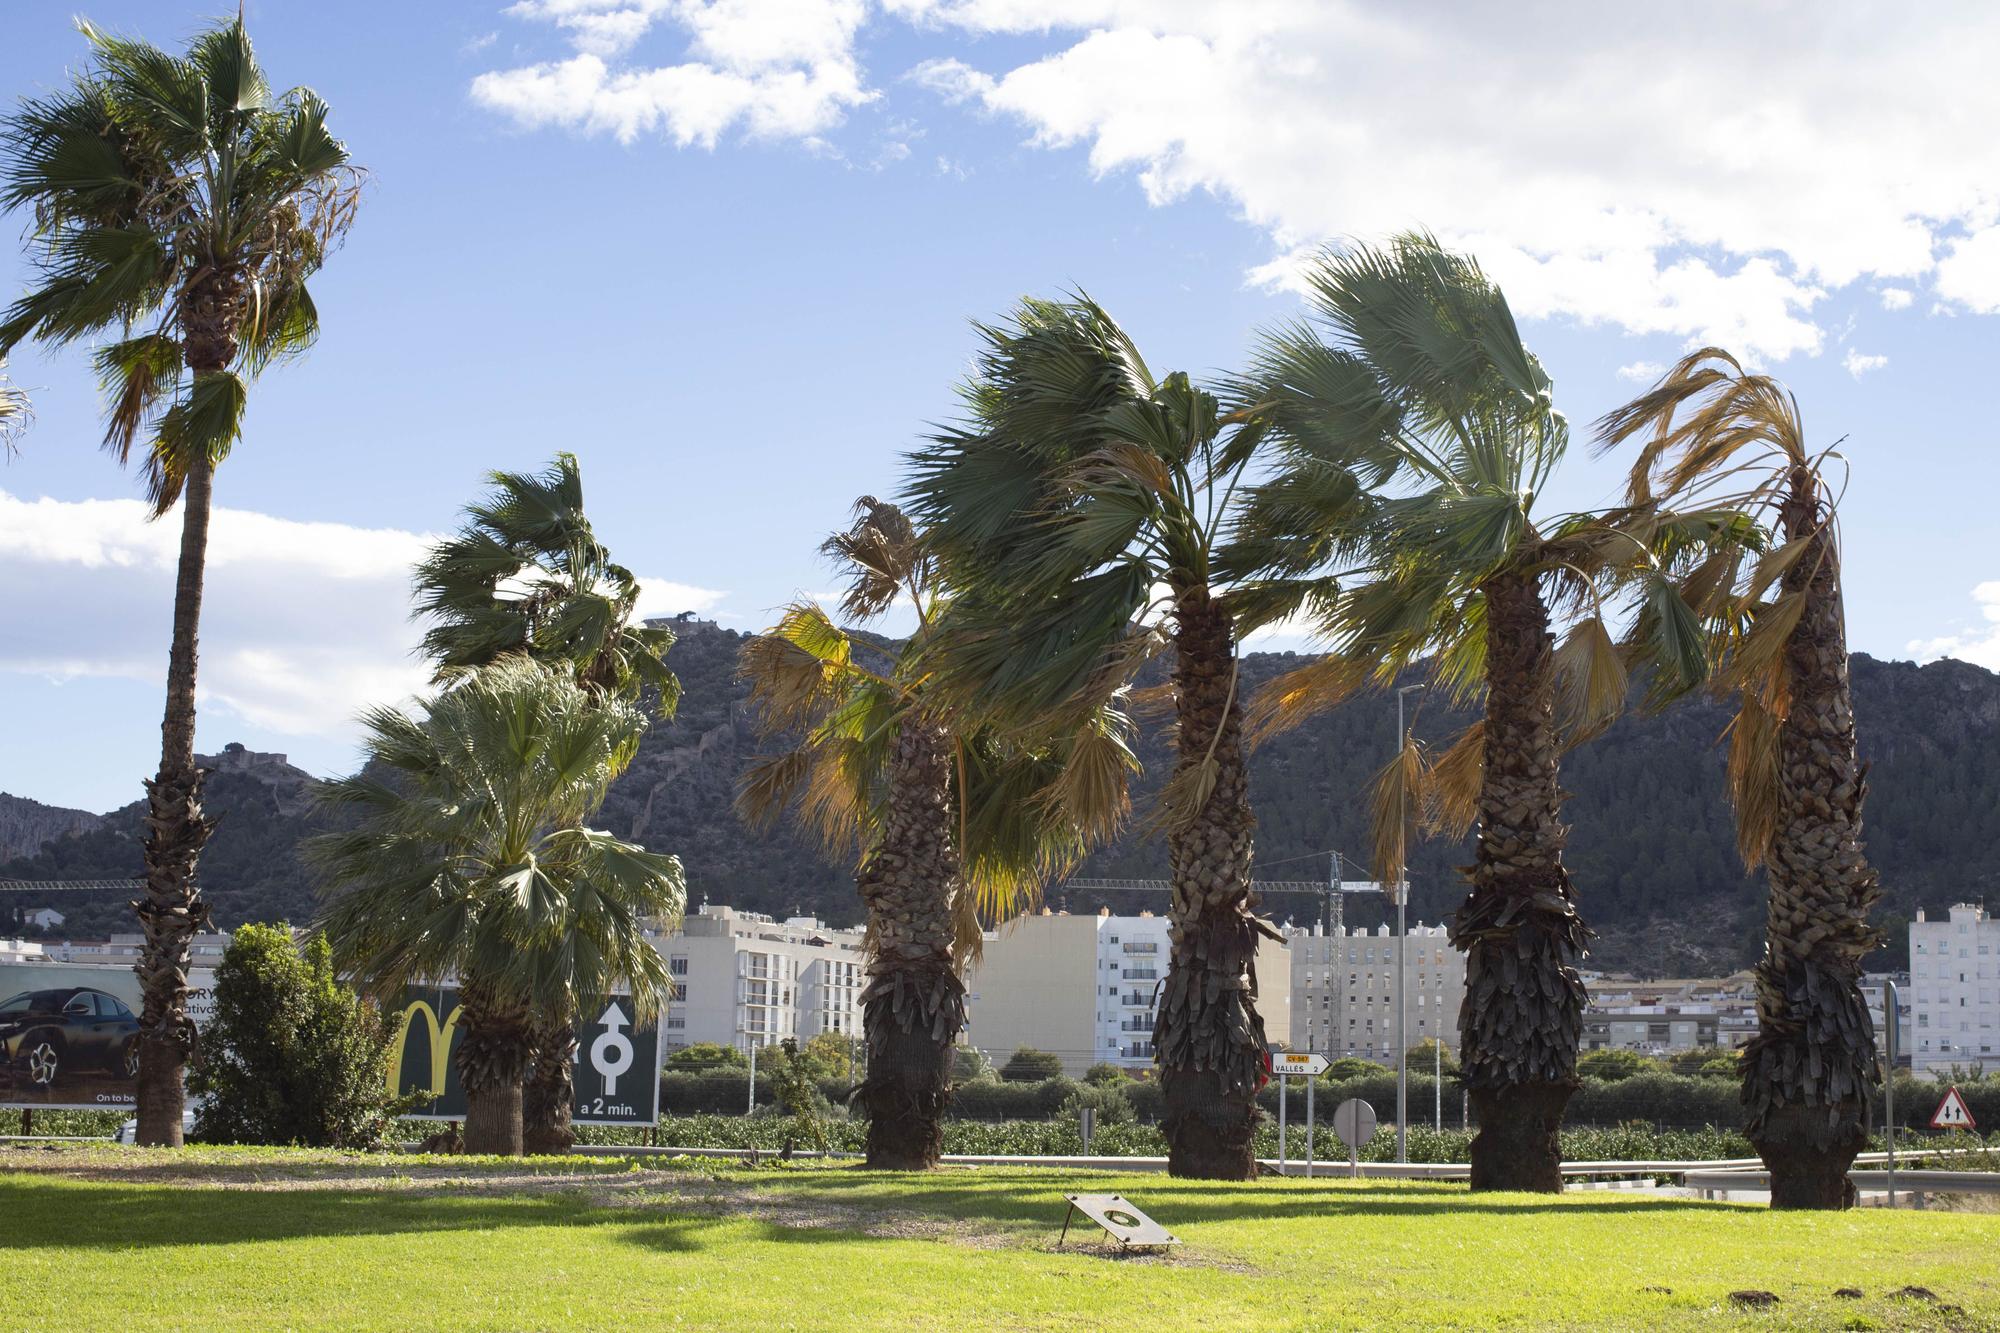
(1522, 1018)
(548, 1096)
(1208, 1037)
(173, 910)
(914, 1006)
(1809, 1074)
(492, 1057)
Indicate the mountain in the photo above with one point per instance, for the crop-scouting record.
(25, 825)
(1652, 846)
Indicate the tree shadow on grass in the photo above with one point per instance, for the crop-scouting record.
(70, 1216)
(1029, 1200)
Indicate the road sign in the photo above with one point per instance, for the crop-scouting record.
(1296, 1064)
(1119, 1217)
(1354, 1123)
(615, 1074)
(1952, 1113)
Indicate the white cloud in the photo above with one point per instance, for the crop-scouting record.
(1662, 176)
(303, 624)
(1979, 646)
(1859, 363)
(779, 69)
(1969, 274)
(1641, 372)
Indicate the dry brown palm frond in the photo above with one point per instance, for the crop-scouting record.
(770, 785)
(798, 669)
(1590, 679)
(1754, 778)
(1121, 463)
(1185, 793)
(1455, 780)
(1757, 667)
(884, 556)
(1399, 793)
(1288, 700)
(1728, 411)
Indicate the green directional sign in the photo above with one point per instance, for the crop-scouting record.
(617, 1071)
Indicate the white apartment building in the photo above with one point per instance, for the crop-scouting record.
(1344, 990)
(1955, 990)
(742, 979)
(1086, 989)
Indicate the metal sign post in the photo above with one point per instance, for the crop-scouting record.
(1307, 1065)
(1891, 1017)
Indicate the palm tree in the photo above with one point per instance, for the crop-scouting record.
(13, 409)
(527, 575)
(1710, 431)
(1077, 511)
(1413, 436)
(946, 824)
(179, 207)
(466, 854)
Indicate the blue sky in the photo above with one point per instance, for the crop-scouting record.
(727, 253)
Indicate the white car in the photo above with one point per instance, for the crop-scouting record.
(129, 1131)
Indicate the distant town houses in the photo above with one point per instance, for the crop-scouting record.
(1085, 988)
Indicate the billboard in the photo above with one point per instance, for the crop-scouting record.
(69, 1034)
(617, 1071)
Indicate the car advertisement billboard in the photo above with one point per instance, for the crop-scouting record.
(69, 1034)
(617, 1071)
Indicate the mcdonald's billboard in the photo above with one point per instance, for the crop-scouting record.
(617, 1071)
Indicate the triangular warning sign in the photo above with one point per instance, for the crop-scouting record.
(1952, 1113)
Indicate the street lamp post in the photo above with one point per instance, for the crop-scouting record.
(1402, 952)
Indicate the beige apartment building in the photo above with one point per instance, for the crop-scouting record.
(1086, 989)
(742, 979)
(1344, 990)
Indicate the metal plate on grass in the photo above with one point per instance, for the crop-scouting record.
(1120, 1218)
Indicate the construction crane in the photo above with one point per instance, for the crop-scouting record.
(71, 885)
(1332, 891)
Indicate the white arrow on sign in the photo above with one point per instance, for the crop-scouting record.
(1953, 1113)
(611, 1053)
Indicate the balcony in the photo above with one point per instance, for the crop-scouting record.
(1142, 946)
(1138, 1000)
(1135, 1025)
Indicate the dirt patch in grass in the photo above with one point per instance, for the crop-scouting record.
(685, 1188)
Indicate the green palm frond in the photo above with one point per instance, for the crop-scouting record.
(174, 194)
(464, 849)
(526, 574)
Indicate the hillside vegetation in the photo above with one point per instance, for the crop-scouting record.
(1651, 848)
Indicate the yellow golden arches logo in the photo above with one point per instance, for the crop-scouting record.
(440, 1045)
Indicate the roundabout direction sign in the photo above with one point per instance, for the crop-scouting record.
(1296, 1064)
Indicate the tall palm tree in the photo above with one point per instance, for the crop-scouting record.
(13, 409)
(1709, 430)
(179, 207)
(1413, 435)
(466, 853)
(1077, 511)
(948, 826)
(527, 575)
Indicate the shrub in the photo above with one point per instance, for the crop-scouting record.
(1011, 1101)
(291, 1056)
(707, 1055)
(1106, 1076)
(1722, 1066)
(1609, 1066)
(1028, 1065)
(1111, 1104)
(1351, 1066)
(970, 1065)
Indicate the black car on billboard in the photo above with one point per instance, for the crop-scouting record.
(50, 1034)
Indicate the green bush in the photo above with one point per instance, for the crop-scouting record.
(1351, 1066)
(1113, 1107)
(1609, 1066)
(1106, 1076)
(970, 1065)
(291, 1056)
(707, 1055)
(1028, 1065)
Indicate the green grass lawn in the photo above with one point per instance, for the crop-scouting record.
(225, 1239)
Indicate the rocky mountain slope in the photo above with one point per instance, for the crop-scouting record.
(1652, 844)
